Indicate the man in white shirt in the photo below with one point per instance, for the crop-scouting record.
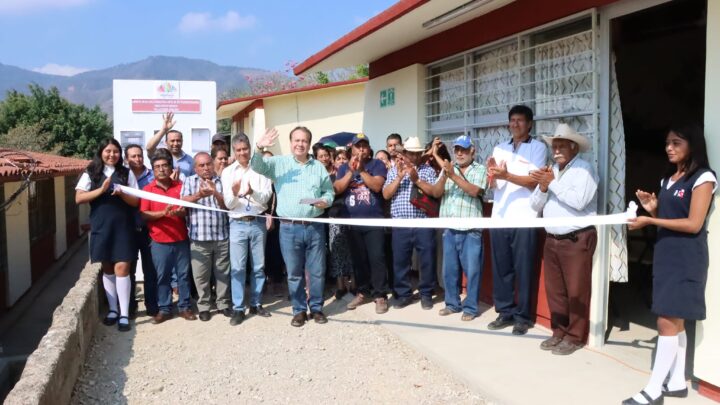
(246, 194)
(514, 249)
(567, 189)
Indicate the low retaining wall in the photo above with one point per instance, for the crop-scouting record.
(52, 369)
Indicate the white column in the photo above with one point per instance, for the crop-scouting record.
(707, 340)
(17, 225)
(60, 217)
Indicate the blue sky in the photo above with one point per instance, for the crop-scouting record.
(67, 36)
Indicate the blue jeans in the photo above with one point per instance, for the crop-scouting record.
(247, 236)
(514, 254)
(462, 252)
(166, 257)
(404, 240)
(303, 247)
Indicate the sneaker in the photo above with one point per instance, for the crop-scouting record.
(426, 302)
(237, 318)
(565, 348)
(447, 311)
(520, 328)
(381, 305)
(550, 343)
(357, 301)
(500, 323)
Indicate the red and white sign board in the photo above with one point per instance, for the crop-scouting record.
(148, 105)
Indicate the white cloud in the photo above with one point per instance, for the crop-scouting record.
(231, 21)
(60, 70)
(24, 6)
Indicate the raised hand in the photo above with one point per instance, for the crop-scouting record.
(412, 173)
(647, 200)
(268, 138)
(168, 122)
(175, 175)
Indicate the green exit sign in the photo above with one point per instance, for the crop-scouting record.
(387, 97)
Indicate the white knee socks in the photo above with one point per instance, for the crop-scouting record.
(665, 353)
(111, 293)
(123, 293)
(677, 374)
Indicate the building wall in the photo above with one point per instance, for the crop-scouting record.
(406, 117)
(18, 245)
(324, 112)
(60, 223)
(707, 341)
(124, 119)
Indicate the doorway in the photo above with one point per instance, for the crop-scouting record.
(660, 69)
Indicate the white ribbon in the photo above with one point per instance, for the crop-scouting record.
(452, 223)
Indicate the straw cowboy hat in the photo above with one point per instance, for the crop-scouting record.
(565, 131)
(413, 144)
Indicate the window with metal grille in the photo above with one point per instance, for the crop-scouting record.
(551, 70)
(41, 208)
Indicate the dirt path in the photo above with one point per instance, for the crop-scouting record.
(348, 360)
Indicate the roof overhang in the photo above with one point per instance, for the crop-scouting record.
(401, 25)
(229, 108)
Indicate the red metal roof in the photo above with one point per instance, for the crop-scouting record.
(289, 91)
(46, 165)
(391, 14)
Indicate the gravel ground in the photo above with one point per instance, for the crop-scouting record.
(350, 359)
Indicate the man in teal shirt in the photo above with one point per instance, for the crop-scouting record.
(304, 190)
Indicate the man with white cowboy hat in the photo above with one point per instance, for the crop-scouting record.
(406, 174)
(568, 188)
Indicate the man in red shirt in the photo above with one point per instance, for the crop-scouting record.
(170, 245)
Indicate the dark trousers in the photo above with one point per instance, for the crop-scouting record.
(142, 239)
(514, 254)
(568, 283)
(368, 257)
(273, 257)
(404, 240)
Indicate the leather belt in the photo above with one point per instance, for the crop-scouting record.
(247, 218)
(295, 222)
(573, 236)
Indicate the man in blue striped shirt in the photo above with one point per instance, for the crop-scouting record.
(303, 190)
(208, 232)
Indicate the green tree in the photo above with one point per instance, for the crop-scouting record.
(70, 129)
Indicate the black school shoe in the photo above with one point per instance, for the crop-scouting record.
(683, 393)
(657, 401)
(123, 326)
(110, 321)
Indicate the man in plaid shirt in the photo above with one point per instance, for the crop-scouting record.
(461, 186)
(208, 232)
(406, 174)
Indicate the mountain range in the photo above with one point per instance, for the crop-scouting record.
(95, 87)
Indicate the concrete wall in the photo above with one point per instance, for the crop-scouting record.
(60, 224)
(406, 117)
(707, 341)
(52, 369)
(324, 112)
(18, 245)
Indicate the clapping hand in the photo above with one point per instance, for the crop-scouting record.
(268, 138)
(207, 188)
(543, 176)
(175, 175)
(647, 200)
(106, 184)
(498, 171)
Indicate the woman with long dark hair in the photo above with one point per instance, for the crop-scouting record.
(680, 260)
(112, 224)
